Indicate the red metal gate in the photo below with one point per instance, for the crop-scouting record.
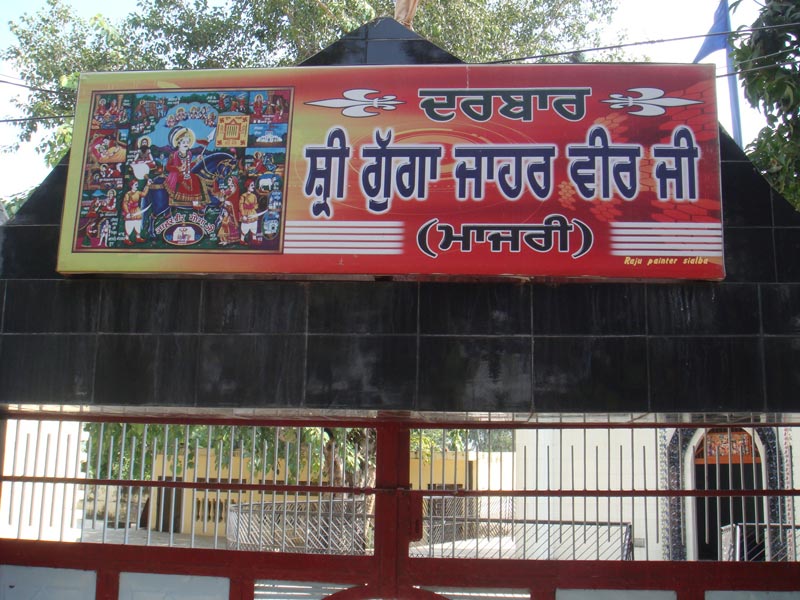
(496, 508)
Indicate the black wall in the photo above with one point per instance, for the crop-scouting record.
(700, 347)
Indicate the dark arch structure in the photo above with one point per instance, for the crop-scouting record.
(679, 479)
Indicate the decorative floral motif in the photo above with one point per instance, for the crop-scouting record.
(650, 103)
(355, 103)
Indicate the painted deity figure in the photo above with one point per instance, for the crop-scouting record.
(185, 188)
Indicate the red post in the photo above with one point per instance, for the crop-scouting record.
(391, 478)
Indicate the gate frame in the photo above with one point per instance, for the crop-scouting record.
(389, 572)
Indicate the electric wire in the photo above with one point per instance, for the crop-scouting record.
(508, 60)
(644, 43)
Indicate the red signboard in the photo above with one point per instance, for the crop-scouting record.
(601, 171)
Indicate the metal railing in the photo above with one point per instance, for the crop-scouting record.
(627, 487)
(314, 526)
(759, 542)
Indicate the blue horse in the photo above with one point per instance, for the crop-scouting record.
(216, 165)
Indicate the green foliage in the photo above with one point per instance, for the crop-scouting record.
(53, 45)
(11, 204)
(769, 64)
(431, 441)
(134, 451)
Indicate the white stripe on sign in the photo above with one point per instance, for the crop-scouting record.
(342, 251)
(652, 225)
(663, 253)
(325, 224)
(343, 237)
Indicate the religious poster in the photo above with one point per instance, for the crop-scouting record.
(526, 171)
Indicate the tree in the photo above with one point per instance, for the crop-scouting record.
(54, 45)
(9, 206)
(768, 60)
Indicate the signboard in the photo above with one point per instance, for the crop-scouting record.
(602, 171)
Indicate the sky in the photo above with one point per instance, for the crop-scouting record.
(637, 20)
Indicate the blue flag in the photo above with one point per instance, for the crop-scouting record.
(714, 41)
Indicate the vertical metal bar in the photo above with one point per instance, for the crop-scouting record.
(572, 487)
(489, 465)
(646, 528)
(705, 476)
(367, 456)
(792, 517)
(730, 479)
(216, 510)
(66, 518)
(228, 490)
(55, 474)
(431, 504)
(500, 510)
(633, 483)
(239, 513)
(261, 494)
(14, 471)
(185, 478)
(141, 478)
(22, 493)
(583, 485)
(297, 475)
(120, 471)
(195, 513)
(276, 452)
(35, 469)
(756, 483)
(97, 472)
(744, 501)
(719, 509)
(525, 502)
(321, 478)
(130, 491)
(536, 483)
(251, 494)
(597, 502)
(308, 497)
(285, 496)
(560, 483)
(779, 501)
(108, 478)
(331, 496)
(478, 500)
(163, 489)
(44, 488)
(622, 508)
(455, 502)
(173, 492)
(680, 476)
(608, 479)
(207, 491)
(419, 459)
(153, 491)
(85, 486)
(443, 485)
(549, 499)
(464, 501)
(657, 451)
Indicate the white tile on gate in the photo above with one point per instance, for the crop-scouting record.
(742, 595)
(39, 583)
(148, 586)
(615, 595)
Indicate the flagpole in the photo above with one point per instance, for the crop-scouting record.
(733, 92)
(717, 39)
